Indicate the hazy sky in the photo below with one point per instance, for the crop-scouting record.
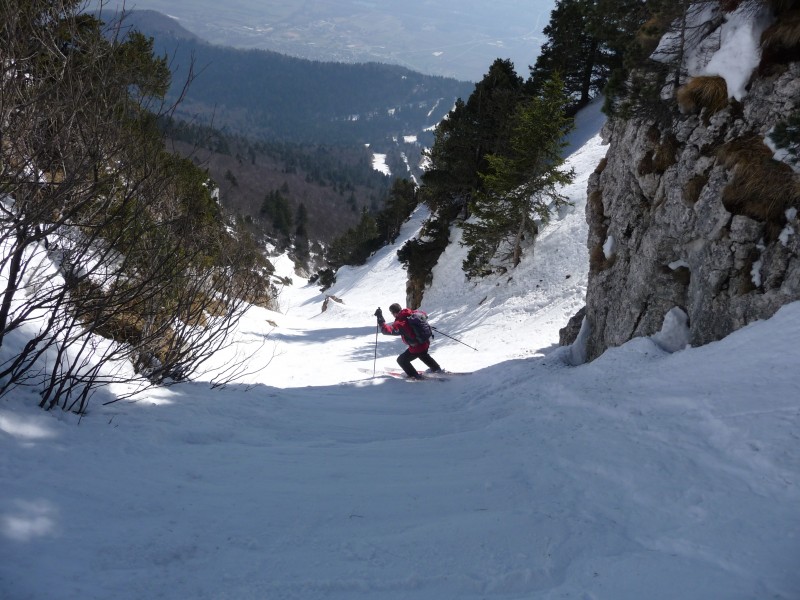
(455, 38)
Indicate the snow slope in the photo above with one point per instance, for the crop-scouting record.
(641, 475)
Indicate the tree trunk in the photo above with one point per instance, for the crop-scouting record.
(516, 257)
(586, 80)
(14, 268)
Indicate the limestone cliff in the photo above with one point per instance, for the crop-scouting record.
(697, 214)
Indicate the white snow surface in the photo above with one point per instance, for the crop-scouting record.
(379, 163)
(732, 52)
(740, 42)
(644, 474)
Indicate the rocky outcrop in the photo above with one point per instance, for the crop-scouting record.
(697, 215)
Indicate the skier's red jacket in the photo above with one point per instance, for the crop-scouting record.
(403, 329)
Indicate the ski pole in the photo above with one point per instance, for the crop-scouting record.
(452, 338)
(375, 361)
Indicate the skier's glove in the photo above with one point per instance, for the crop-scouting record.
(379, 314)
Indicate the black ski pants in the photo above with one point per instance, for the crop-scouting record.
(404, 360)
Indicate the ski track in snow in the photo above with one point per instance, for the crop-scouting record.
(641, 475)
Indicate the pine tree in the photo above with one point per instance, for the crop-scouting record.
(786, 136)
(452, 172)
(355, 246)
(637, 86)
(301, 220)
(276, 207)
(521, 187)
(402, 200)
(282, 219)
(570, 50)
(468, 133)
(586, 43)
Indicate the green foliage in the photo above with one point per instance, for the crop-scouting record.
(586, 42)
(636, 87)
(474, 130)
(301, 220)
(270, 96)
(325, 278)
(355, 246)
(420, 255)
(400, 203)
(150, 76)
(452, 172)
(276, 207)
(786, 136)
(569, 50)
(520, 186)
(371, 233)
(192, 186)
(470, 132)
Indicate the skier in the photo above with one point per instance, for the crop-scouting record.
(417, 344)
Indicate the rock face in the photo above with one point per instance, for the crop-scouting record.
(695, 215)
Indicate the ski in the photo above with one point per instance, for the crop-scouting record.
(389, 373)
(395, 373)
(443, 374)
(447, 373)
(400, 374)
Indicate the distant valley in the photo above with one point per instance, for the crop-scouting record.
(308, 128)
(266, 95)
(458, 39)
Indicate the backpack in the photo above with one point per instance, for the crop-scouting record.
(418, 322)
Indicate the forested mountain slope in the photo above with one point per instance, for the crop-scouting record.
(266, 94)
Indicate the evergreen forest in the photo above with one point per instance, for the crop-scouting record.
(259, 122)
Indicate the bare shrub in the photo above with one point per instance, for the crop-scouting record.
(666, 154)
(694, 187)
(781, 6)
(103, 233)
(780, 43)
(709, 92)
(595, 201)
(762, 188)
(601, 166)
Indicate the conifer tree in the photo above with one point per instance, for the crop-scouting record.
(471, 130)
(402, 200)
(786, 136)
(301, 220)
(570, 50)
(520, 187)
(586, 42)
(355, 246)
(276, 207)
